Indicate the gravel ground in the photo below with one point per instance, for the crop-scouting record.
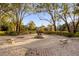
(49, 46)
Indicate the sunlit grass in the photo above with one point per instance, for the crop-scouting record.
(2, 33)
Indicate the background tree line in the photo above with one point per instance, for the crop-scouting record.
(12, 15)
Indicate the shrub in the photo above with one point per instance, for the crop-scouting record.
(67, 34)
(11, 33)
(2, 33)
(41, 30)
(25, 32)
(50, 32)
(76, 34)
(31, 32)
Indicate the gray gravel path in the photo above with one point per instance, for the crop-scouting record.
(50, 46)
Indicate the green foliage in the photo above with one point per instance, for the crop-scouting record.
(2, 33)
(32, 32)
(28, 32)
(67, 34)
(42, 29)
(76, 10)
(65, 8)
(11, 33)
(62, 27)
(50, 27)
(76, 34)
(4, 28)
(31, 25)
(12, 15)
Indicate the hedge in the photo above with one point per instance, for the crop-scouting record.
(63, 33)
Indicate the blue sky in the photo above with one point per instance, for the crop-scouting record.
(36, 20)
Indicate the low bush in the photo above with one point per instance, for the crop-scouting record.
(67, 34)
(11, 33)
(50, 32)
(76, 34)
(25, 32)
(31, 32)
(2, 33)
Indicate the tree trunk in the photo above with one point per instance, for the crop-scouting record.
(75, 26)
(54, 25)
(68, 28)
(73, 29)
(20, 25)
(54, 21)
(17, 27)
(65, 20)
